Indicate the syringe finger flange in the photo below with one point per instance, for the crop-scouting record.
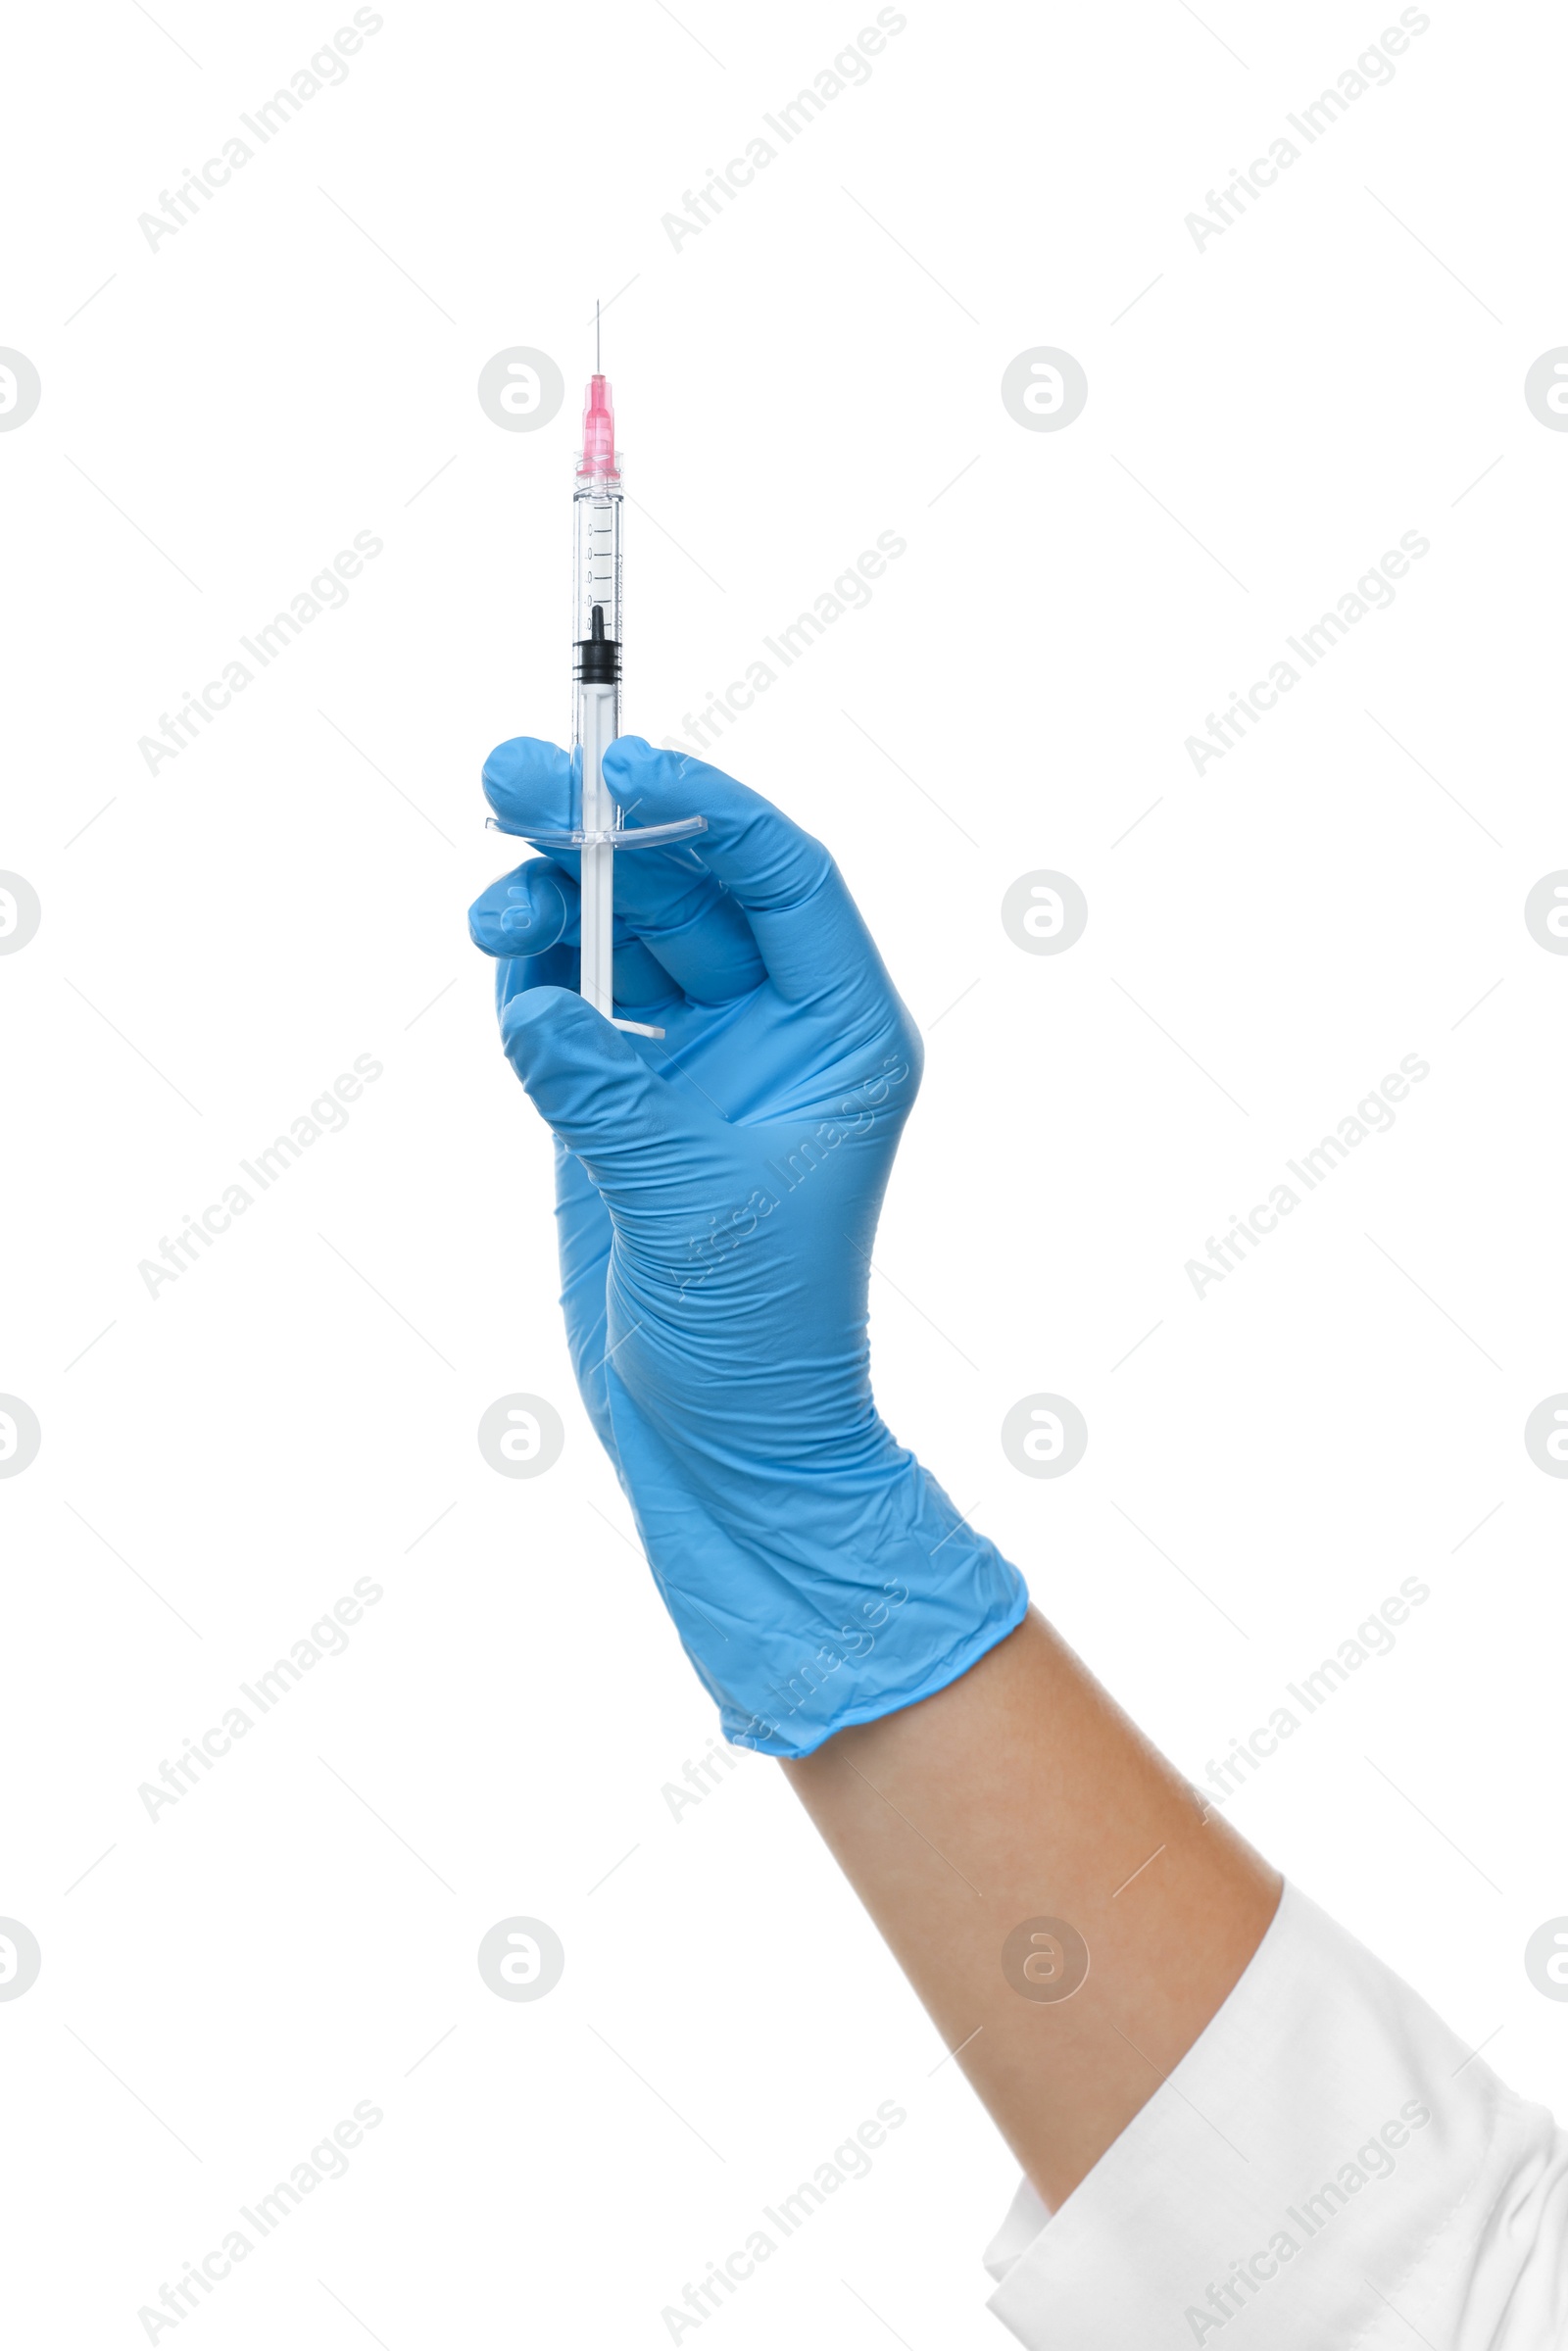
(638, 836)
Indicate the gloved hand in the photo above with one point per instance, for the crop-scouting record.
(717, 1197)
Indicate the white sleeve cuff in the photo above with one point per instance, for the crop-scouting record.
(1326, 2166)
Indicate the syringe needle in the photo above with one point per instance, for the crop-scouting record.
(598, 362)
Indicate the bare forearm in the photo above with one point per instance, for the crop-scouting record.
(1023, 1794)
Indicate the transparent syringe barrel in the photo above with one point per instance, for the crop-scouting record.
(596, 560)
(596, 713)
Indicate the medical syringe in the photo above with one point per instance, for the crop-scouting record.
(596, 515)
(597, 830)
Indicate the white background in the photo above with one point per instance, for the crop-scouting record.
(819, 365)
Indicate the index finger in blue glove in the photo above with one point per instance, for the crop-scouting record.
(808, 928)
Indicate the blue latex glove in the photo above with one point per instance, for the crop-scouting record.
(717, 1199)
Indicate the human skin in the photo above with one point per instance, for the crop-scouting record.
(1023, 1791)
(792, 1535)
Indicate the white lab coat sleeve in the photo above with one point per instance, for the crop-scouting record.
(1327, 2165)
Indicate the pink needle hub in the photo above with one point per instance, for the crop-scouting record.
(598, 462)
